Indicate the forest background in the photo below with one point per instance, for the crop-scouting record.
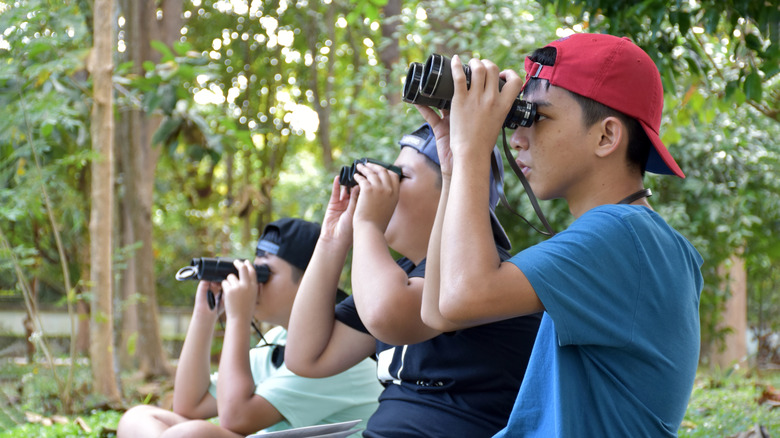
(138, 134)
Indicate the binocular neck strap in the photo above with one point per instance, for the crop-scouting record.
(528, 191)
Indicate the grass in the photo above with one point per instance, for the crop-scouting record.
(725, 405)
(721, 405)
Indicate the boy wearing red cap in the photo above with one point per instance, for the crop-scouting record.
(618, 346)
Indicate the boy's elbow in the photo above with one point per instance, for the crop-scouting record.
(187, 410)
(433, 319)
(238, 422)
(301, 366)
(454, 304)
(296, 364)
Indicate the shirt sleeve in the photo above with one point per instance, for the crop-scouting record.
(588, 279)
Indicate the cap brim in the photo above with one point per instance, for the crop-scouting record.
(499, 235)
(660, 160)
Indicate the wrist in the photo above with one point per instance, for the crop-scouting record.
(366, 228)
(206, 317)
(332, 245)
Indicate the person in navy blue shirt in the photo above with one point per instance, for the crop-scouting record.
(438, 382)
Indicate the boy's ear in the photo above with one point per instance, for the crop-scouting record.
(613, 134)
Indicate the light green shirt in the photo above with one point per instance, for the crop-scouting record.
(302, 401)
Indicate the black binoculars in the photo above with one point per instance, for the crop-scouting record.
(216, 269)
(431, 85)
(347, 174)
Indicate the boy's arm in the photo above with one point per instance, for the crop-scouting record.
(429, 312)
(317, 344)
(476, 287)
(387, 300)
(191, 397)
(240, 409)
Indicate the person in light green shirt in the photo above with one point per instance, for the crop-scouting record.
(253, 390)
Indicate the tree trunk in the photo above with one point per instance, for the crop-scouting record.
(128, 324)
(101, 216)
(323, 90)
(734, 351)
(139, 161)
(391, 52)
(29, 322)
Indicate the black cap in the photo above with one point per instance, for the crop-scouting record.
(290, 239)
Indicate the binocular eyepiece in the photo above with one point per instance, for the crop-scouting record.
(431, 84)
(216, 269)
(347, 174)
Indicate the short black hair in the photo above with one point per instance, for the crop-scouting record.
(639, 144)
(273, 235)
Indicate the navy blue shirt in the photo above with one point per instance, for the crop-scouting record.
(462, 383)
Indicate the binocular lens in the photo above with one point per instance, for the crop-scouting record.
(432, 73)
(432, 85)
(412, 92)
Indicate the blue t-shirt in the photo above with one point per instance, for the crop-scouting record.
(458, 384)
(618, 347)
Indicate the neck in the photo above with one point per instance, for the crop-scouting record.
(618, 189)
(641, 194)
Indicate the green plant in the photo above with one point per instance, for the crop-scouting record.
(725, 404)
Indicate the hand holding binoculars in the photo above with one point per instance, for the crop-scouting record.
(347, 174)
(432, 85)
(216, 269)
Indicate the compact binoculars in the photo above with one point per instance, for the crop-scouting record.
(431, 85)
(347, 174)
(216, 269)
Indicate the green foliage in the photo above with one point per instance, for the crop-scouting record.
(101, 424)
(735, 41)
(234, 92)
(32, 388)
(721, 404)
(725, 405)
(45, 118)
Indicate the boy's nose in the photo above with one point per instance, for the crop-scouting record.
(519, 139)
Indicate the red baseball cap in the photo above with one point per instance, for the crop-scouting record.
(617, 73)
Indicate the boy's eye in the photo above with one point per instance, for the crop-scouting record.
(539, 117)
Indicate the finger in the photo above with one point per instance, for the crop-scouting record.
(250, 272)
(353, 200)
(491, 75)
(513, 82)
(343, 193)
(430, 116)
(366, 174)
(458, 76)
(384, 177)
(335, 190)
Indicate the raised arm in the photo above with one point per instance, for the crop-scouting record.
(317, 344)
(240, 409)
(191, 397)
(429, 311)
(387, 300)
(476, 288)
